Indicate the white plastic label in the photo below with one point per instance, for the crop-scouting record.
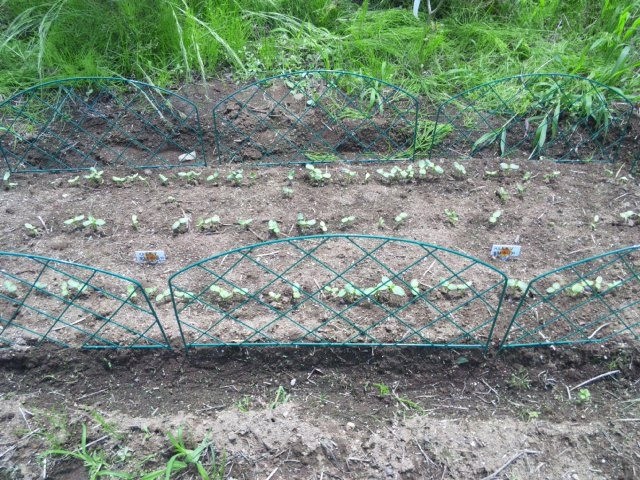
(505, 252)
(150, 257)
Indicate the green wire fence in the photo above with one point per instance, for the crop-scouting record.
(562, 117)
(67, 304)
(79, 123)
(316, 116)
(338, 290)
(590, 301)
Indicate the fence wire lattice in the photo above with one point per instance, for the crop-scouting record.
(316, 116)
(590, 301)
(562, 117)
(79, 123)
(72, 305)
(338, 290)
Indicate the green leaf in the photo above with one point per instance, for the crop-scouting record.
(540, 137)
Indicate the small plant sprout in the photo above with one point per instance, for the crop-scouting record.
(586, 287)
(296, 291)
(594, 222)
(516, 288)
(31, 230)
(93, 224)
(385, 285)
(508, 168)
(427, 169)
(164, 296)
(223, 296)
(322, 226)
(550, 177)
(346, 222)
(491, 173)
(281, 398)
(7, 184)
(304, 224)
(400, 219)
(584, 396)
(348, 176)
(245, 223)
(287, 192)
(72, 288)
(235, 177)
(459, 171)
(316, 176)
(367, 177)
(452, 216)
(493, 219)
(74, 221)
(9, 289)
(135, 223)
(191, 177)
(75, 181)
(527, 176)
(213, 178)
(454, 290)
(503, 195)
(291, 175)
(122, 181)
(95, 177)
(380, 223)
(520, 189)
(628, 217)
(554, 288)
(209, 224)
(181, 225)
(164, 181)
(274, 228)
(396, 174)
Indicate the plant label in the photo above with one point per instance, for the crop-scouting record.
(150, 257)
(505, 252)
(186, 157)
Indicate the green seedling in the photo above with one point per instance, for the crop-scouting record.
(72, 288)
(274, 228)
(400, 219)
(191, 177)
(244, 404)
(348, 176)
(527, 176)
(629, 217)
(281, 398)
(9, 289)
(316, 176)
(235, 177)
(75, 181)
(520, 190)
(491, 173)
(503, 195)
(385, 286)
(122, 181)
(429, 170)
(132, 292)
(164, 181)
(516, 288)
(287, 192)
(550, 177)
(452, 216)
(322, 226)
(383, 389)
(274, 297)
(181, 225)
(414, 286)
(493, 219)
(347, 222)
(296, 291)
(135, 223)
(304, 224)
(7, 184)
(454, 290)
(245, 223)
(587, 287)
(31, 230)
(554, 288)
(186, 458)
(291, 175)
(584, 396)
(214, 178)
(95, 177)
(397, 174)
(594, 222)
(163, 297)
(93, 223)
(520, 380)
(74, 221)
(223, 296)
(508, 168)
(459, 171)
(209, 224)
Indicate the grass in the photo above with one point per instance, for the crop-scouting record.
(462, 45)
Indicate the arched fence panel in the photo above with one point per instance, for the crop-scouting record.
(590, 301)
(562, 117)
(72, 305)
(79, 123)
(338, 290)
(316, 116)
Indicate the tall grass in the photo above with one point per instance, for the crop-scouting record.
(465, 43)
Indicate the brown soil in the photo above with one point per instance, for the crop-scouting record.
(445, 414)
